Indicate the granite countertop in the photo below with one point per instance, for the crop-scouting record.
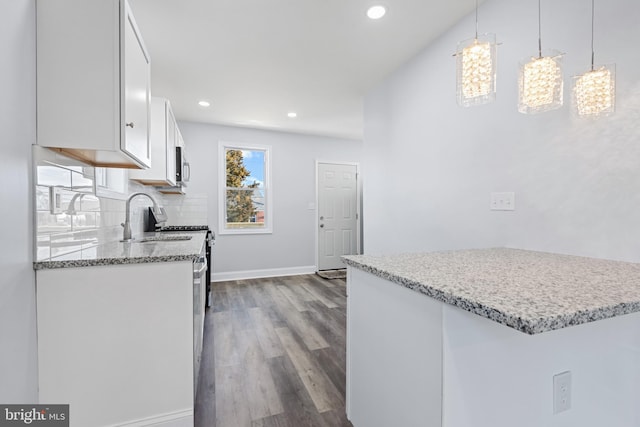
(113, 253)
(529, 291)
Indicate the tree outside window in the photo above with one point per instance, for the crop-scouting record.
(246, 187)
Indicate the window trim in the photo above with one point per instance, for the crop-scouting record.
(222, 189)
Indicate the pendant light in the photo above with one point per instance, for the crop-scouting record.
(540, 80)
(476, 69)
(594, 92)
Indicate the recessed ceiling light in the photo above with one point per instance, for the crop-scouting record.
(376, 12)
(204, 103)
(292, 115)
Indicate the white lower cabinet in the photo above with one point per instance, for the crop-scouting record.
(116, 343)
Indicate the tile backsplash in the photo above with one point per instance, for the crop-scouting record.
(70, 216)
(189, 209)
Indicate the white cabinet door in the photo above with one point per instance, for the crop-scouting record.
(137, 93)
(162, 136)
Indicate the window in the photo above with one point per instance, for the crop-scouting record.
(244, 189)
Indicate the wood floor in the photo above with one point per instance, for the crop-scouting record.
(274, 354)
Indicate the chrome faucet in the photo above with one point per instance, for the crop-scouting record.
(126, 234)
(71, 209)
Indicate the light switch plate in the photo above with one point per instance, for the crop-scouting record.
(505, 201)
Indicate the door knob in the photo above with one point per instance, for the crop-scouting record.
(321, 218)
(321, 225)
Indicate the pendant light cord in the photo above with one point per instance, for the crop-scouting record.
(593, 53)
(539, 33)
(476, 19)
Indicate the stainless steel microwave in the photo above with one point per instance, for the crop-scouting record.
(183, 168)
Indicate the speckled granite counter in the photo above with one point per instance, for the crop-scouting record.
(532, 292)
(113, 253)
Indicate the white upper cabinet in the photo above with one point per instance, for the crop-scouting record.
(163, 136)
(93, 76)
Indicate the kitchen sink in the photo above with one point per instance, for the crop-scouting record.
(162, 239)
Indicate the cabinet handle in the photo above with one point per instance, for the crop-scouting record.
(321, 225)
(129, 125)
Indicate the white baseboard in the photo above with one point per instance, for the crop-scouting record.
(258, 274)
(173, 419)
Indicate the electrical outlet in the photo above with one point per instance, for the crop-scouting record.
(503, 201)
(561, 392)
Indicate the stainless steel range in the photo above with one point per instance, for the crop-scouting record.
(211, 241)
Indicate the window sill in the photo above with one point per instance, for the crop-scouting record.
(241, 231)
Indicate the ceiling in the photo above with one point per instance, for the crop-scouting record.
(257, 60)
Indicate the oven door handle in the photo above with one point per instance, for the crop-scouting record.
(200, 271)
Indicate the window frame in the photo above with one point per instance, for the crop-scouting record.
(223, 146)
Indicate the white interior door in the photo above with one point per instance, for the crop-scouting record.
(337, 214)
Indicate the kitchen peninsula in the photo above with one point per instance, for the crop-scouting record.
(481, 345)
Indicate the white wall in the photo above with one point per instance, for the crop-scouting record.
(430, 165)
(18, 367)
(291, 246)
